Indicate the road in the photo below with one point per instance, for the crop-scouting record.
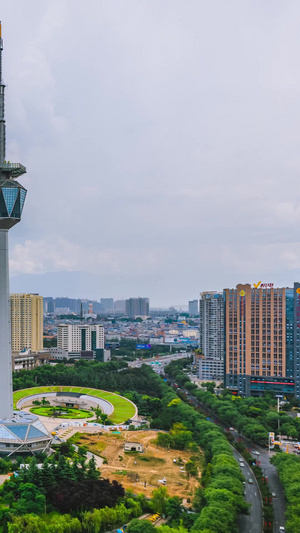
(275, 485)
(164, 359)
(263, 460)
(270, 472)
(253, 496)
(251, 523)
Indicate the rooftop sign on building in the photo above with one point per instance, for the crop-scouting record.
(261, 285)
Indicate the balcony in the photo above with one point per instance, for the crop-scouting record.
(13, 169)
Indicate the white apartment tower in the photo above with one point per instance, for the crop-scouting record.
(75, 338)
(211, 311)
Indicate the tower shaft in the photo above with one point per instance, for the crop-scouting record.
(6, 399)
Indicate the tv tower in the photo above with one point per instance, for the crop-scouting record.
(19, 431)
(12, 197)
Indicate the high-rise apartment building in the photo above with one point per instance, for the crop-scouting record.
(137, 307)
(120, 306)
(26, 311)
(211, 341)
(106, 305)
(49, 305)
(193, 307)
(262, 339)
(76, 338)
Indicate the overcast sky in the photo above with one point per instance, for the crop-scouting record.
(162, 145)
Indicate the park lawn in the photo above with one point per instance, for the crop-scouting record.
(70, 412)
(88, 391)
(17, 395)
(123, 408)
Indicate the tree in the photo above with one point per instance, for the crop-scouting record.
(174, 507)
(66, 448)
(92, 472)
(164, 440)
(289, 430)
(181, 439)
(68, 496)
(33, 473)
(210, 386)
(159, 500)
(104, 418)
(140, 526)
(191, 468)
(98, 412)
(44, 401)
(47, 475)
(82, 451)
(199, 499)
(31, 500)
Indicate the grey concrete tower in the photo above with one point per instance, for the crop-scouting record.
(20, 432)
(12, 197)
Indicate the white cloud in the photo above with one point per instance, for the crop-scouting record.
(157, 139)
(39, 257)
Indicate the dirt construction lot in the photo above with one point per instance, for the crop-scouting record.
(141, 472)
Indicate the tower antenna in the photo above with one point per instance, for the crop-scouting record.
(2, 119)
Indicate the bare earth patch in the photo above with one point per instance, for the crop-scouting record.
(141, 472)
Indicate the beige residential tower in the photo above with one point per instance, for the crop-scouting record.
(26, 322)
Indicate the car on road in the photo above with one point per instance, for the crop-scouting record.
(255, 452)
(231, 429)
(273, 494)
(250, 480)
(242, 465)
(281, 529)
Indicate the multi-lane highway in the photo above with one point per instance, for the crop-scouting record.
(253, 522)
(252, 496)
(275, 485)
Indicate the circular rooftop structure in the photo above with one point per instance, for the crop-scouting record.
(117, 407)
(24, 433)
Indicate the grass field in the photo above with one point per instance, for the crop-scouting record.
(123, 408)
(68, 413)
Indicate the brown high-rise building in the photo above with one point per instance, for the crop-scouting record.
(257, 342)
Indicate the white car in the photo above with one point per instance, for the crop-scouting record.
(255, 452)
(242, 465)
(281, 529)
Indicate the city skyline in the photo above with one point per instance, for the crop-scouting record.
(187, 121)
